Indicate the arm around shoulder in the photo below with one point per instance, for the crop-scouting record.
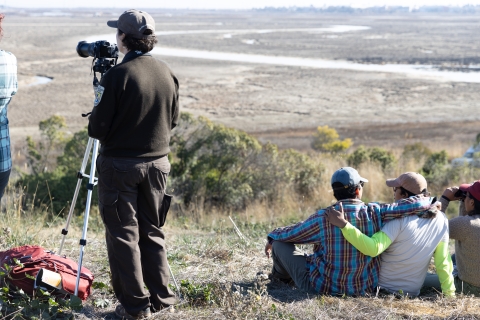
(372, 247)
(405, 207)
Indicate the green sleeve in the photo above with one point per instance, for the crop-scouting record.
(373, 246)
(444, 265)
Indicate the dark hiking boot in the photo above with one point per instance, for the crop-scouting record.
(274, 277)
(123, 314)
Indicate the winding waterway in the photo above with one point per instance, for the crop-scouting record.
(415, 71)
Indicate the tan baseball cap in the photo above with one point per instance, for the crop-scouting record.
(134, 23)
(410, 181)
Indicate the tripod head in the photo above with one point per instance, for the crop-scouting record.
(102, 65)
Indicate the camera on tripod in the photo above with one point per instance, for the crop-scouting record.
(98, 49)
(102, 51)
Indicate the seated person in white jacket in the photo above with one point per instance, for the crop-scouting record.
(406, 245)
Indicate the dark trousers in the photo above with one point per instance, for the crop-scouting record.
(290, 263)
(131, 195)
(4, 176)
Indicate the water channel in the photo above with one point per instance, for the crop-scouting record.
(415, 71)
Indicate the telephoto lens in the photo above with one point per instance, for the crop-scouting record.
(99, 49)
(85, 49)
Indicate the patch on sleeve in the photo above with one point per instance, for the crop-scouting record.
(98, 95)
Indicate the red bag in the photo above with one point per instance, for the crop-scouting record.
(34, 258)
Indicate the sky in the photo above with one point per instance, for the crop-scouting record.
(222, 4)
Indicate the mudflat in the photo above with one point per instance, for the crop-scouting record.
(275, 101)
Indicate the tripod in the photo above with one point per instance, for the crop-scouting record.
(100, 64)
(92, 181)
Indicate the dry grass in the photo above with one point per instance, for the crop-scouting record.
(207, 253)
(211, 255)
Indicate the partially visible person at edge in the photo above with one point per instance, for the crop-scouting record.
(135, 109)
(465, 229)
(8, 88)
(336, 267)
(406, 245)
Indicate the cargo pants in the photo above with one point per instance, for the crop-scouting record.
(133, 206)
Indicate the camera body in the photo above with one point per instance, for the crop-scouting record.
(99, 49)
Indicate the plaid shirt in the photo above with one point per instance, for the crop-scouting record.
(335, 266)
(8, 87)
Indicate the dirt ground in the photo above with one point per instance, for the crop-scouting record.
(282, 104)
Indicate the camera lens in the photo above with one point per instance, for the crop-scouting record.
(85, 49)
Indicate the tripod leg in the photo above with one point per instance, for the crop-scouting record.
(80, 176)
(175, 281)
(83, 240)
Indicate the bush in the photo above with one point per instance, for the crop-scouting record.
(54, 189)
(417, 151)
(383, 157)
(228, 168)
(211, 165)
(52, 139)
(435, 163)
(327, 140)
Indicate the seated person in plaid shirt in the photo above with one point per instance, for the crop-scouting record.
(336, 267)
(8, 87)
(406, 245)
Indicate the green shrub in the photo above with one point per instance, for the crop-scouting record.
(211, 165)
(228, 168)
(383, 157)
(417, 151)
(54, 189)
(52, 139)
(435, 163)
(358, 157)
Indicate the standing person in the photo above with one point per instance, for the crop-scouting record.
(135, 109)
(406, 245)
(8, 87)
(336, 267)
(465, 229)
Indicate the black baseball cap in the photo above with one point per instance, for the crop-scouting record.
(134, 23)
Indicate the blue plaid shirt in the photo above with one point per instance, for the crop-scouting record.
(8, 87)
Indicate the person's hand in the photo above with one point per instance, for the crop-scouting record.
(450, 194)
(337, 218)
(268, 250)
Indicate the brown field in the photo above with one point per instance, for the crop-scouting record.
(282, 104)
